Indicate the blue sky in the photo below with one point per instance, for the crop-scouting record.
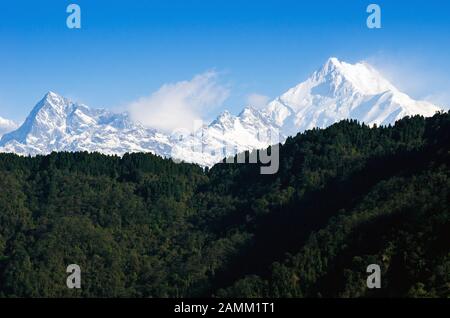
(127, 50)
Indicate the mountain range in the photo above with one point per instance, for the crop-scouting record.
(336, 91)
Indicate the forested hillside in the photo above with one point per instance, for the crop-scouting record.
(142, 226)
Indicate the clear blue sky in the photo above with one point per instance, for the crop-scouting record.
(128, 49)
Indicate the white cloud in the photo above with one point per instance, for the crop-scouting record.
(6, 126)
(416, 76)
(257, 100)
(178, 105)
(441, 100)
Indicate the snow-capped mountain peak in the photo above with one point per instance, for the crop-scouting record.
(52, 104)
(249, 112)
(58, 124)
(362, 76)
(340, 90)
(224, 120)
(46, 121)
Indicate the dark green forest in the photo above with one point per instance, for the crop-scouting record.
(143, 226)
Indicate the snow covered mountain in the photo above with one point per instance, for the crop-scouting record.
(6, 126)
(336, 91)
(58, 124)
(227, 136)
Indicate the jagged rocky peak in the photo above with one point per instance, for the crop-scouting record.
(249, 111)
(361, 76)
(225, 119)
(340, 90)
